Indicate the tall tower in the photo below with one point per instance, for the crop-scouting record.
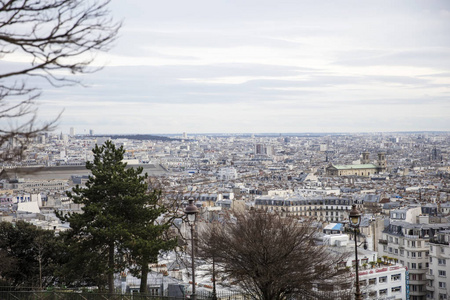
(381, 162)
(365, 158)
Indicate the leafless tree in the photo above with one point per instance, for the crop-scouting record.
(271, 257)
(50, 40)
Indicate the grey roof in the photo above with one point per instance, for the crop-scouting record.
(65, 172)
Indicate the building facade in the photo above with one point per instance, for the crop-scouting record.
(408, 244)
(327, 209)
(365, 168)
(438, 276)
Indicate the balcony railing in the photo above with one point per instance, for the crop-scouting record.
(437, 241)
(383, 242)
(409, 236)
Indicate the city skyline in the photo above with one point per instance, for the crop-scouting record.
(266, 66)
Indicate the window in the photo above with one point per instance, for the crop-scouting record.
(413, 254)
(396, 251)
(442, 273)
(396, 289)
(419, 266)
(442, 296)
(413, 266)
(442, 284)
(395, 277)
(441, 262)
(390, 249)
(382, 279)
(402, 252)
(372, 281)
(413, 243)
(383, 292)
(419, 254)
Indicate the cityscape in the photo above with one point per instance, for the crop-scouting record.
(399, 181)
(225, 150)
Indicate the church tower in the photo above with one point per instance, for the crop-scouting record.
(381, 162)
(365, 158)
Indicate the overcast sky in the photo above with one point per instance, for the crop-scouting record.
(267, 66)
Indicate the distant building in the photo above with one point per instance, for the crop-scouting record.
(436, 154)
(328, 209)
(227, 173)
(363, 169)
(263, 149)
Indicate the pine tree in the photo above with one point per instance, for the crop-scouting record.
(119, 214)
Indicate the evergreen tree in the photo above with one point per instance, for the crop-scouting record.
(149, 237)
(119, 216)
(29, 256)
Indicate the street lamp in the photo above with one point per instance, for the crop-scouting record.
(191, 212)
(355, 220)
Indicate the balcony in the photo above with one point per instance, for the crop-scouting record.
(438, 241)
(383, 242)
(429, 276)
(412, 237)
(417, 293)
(418, 282)
(430, 288)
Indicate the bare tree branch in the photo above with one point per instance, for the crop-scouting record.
(271, 257)
(52, 39)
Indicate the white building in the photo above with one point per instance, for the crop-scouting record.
(227, 174)
(408, 243)
(388, 282)
(438, 276)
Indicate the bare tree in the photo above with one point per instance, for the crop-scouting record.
(272, 257)
(50, 40)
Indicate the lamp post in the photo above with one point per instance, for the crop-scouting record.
(214, 294)
(191, 212)
(355, 220)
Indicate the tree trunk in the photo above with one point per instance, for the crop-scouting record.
(111, 268)
(144, 275)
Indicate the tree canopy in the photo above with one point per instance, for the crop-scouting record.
(29, 256)
(120, 223)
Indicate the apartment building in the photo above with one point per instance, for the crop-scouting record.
(327, 209)
(438, 276)
(408, 243)
(389, 282)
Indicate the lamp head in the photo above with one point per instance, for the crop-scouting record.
(355, 217)
(191, 212)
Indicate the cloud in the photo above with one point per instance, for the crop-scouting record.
(437, 58)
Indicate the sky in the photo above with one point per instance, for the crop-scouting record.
(228, 66)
